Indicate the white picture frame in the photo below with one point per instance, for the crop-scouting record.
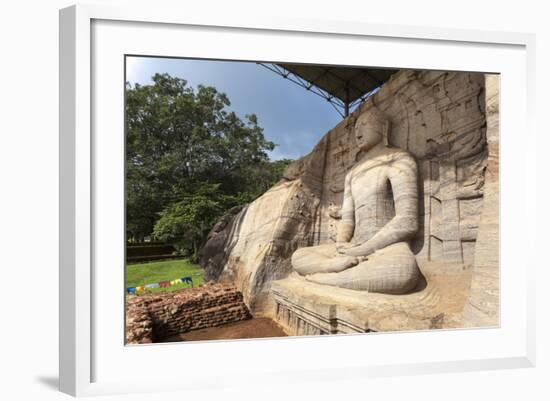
(94, 360)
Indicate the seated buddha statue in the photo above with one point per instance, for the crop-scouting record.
(379, 215)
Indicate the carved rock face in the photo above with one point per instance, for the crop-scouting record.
(369, 130)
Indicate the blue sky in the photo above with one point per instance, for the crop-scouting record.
(291, 116)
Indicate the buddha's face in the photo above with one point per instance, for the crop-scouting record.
(369, 131)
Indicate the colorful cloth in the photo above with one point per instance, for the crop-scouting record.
(162, 284)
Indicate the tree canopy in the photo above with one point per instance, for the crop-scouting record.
(189, 159)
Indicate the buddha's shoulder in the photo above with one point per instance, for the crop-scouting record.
(390, 157)
(398, 154)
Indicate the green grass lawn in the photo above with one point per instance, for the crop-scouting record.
(153, 272)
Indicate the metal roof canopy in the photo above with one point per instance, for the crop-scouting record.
(343, 87)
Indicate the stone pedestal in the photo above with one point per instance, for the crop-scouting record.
(303, 315)
(305, 308)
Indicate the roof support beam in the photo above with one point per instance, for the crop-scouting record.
(342, 92)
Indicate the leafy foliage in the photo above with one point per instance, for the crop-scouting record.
(187, 221)
(188, 160)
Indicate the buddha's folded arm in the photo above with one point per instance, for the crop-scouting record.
(402, 174)
(347, 223)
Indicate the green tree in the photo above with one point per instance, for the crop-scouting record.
(188, 159)
(187, 221)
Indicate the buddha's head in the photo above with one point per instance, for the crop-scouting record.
(371, 129)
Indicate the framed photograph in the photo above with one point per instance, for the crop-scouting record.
(290, 200)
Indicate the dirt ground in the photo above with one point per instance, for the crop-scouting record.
(253, 328)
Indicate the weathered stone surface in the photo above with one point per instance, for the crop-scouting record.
(220, 242)
(438, 118)
(153, 317)
(272, 228)
(482, 308)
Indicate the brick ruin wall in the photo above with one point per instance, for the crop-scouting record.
(153, 317)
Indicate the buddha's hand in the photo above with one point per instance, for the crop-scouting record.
(357, 250)
(343, 247)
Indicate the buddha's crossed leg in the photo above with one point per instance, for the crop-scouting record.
(392, 270)
(321, 259)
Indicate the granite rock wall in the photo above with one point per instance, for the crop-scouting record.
(440, 118)
(482, 307)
